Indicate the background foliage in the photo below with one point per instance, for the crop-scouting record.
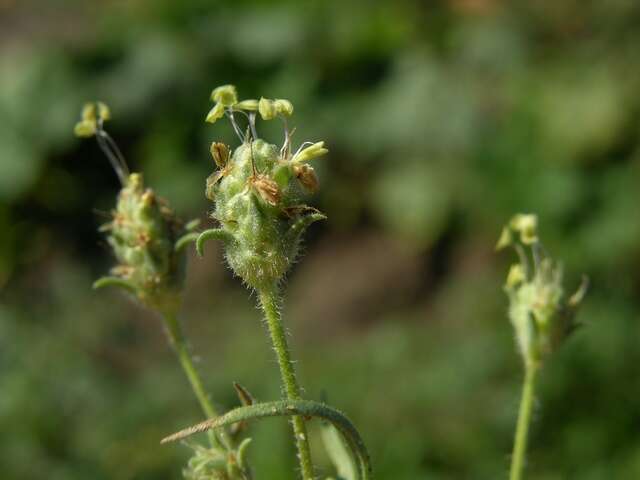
(443, 118)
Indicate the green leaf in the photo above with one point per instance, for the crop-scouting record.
(305, 408)
(338, 452)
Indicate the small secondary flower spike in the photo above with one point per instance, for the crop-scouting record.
(540, 314)
(147, 240)
(143, 232)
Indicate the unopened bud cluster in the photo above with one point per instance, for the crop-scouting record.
(142, 234)
(541, 315)
(216, 464)
(257, 192)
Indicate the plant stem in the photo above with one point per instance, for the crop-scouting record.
(524, 419)
(269, 299)
(179, 343)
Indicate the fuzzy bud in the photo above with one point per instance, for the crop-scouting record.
(143, 234)
(257, 201)
(261, 238)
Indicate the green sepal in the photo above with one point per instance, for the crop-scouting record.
(242, 453)
(115, 282)
(298, 227)
(213, 233)
(185, 240)
(192, 225)
(282, 175)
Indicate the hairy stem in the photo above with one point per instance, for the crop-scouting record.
(179, 343)
(269, 299)
(306, 408)
(524, 420)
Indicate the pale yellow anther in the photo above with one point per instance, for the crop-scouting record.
(527, 226)
(89, 112)
(225, 94)
(85, 128)
(283, 107)
(267, 109)
(249, 105)
(103, 111)
(312, 151)
(216, 113)
(516, 276)
(506, 238)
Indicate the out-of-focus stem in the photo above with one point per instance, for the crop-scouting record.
(524, 420)
(178, 341)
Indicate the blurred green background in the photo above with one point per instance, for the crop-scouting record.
(443, 119)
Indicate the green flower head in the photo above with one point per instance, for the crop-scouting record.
(144, 234)
(539, 311)
(258, 193)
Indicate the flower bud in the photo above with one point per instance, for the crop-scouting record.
(143, 234)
